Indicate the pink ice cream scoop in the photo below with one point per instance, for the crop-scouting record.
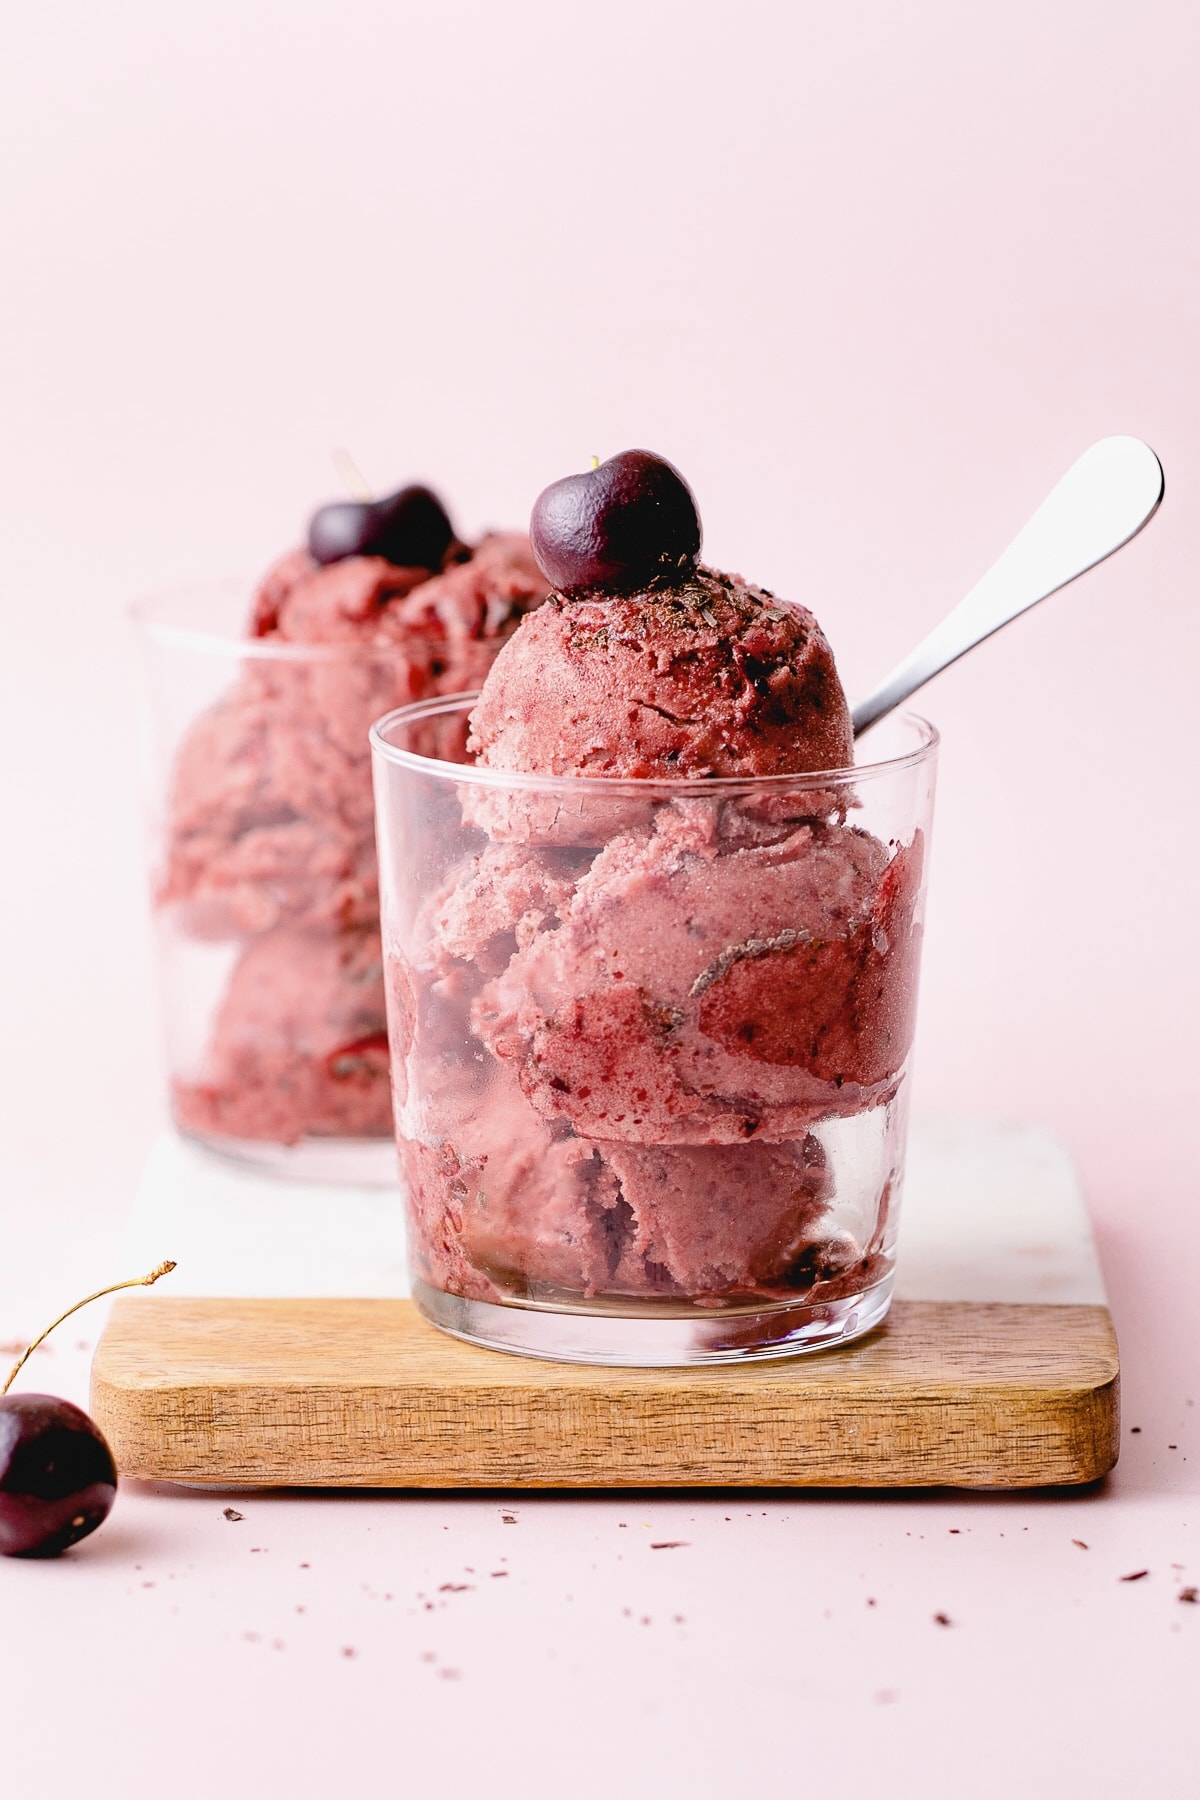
(299, 1042)
(646, 663)
(712, 676)
(696, 994)
(681, 672)
(270, 833)
(498, 1207)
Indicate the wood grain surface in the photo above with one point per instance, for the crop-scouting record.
(351, 1393)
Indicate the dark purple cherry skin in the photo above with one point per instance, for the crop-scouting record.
(631, 521)
(410, 529)
(57, 1476)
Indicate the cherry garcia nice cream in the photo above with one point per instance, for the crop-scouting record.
(650, 1016)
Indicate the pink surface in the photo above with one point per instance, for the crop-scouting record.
(872, 277)
(713, 1645)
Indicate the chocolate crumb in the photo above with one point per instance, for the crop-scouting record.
(1190, 1595)
(1079, 1543)
(671, 1544)
(1135, 1429)
(942, 1619)
(1138, 1575)
(955, 1531)
(233, 1515)
(499, 1574)
(871, 1601)
(456, 1587)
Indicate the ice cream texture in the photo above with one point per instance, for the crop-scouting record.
(270, 831)
(620, 1026)
(711, 677)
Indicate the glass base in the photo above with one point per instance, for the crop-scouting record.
(640, 1341)
(336, 1162)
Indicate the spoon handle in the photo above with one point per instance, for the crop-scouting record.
(1101, 502)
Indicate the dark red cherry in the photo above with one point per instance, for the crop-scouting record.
(57, 1476)
(410, 529)
(617, 526)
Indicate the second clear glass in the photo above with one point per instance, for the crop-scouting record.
(265, 888)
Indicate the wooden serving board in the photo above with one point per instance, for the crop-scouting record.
(997, 1367)
(365, 1393)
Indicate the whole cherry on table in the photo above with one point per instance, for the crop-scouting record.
(58, 1479)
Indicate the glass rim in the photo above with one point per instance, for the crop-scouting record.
(208, 640)
(477, 775)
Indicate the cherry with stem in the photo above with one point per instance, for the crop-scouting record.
(58, 1479)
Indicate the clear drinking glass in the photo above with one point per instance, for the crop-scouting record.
(265, 886)
(650, 1044)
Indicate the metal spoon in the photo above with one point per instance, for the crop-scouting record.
(1101, 502)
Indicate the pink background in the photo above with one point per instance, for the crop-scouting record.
(873, 275)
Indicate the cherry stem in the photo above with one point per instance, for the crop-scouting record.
(164, 1268)
(353, 479)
